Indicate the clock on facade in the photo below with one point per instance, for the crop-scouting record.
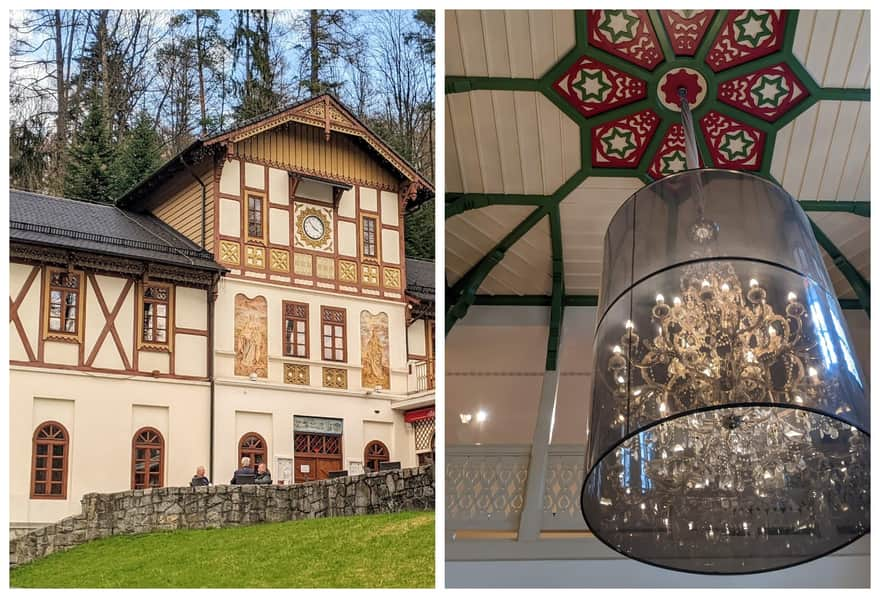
(313, 226)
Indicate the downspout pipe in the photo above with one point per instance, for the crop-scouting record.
(204, 200)
(212, 298)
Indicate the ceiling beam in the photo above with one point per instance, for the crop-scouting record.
(557, 304)
(455, 84)
(853, 276)
(456, 203)
(465, 290)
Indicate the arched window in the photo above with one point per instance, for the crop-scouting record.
(252, 445)
(147, 463)
(375, 453)
(49, 466)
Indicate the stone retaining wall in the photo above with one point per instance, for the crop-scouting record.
(164, 509)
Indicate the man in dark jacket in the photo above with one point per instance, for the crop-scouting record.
(263, 475)
(200, 479)
(244, 474)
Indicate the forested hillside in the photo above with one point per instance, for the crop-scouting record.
(100, 98)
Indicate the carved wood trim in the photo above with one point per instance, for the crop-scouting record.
(109, 321)
(13, 312)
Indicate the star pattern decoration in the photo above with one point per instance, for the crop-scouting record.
(619, 143)
(699, 45)
(618, 25)
(592, 86)
(752, 27)
(736, 145)
(674, 162)
(770, 91)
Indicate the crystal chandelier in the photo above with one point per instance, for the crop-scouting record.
(729, 417)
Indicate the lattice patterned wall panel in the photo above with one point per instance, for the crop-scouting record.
(424, 431)
(562, 489)
(484, 489)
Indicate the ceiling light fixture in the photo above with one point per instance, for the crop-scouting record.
(465, 417)
(482, 416)
(738, 411)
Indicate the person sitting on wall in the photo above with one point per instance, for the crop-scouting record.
(263, 475)
(245, 474)
(200, 479)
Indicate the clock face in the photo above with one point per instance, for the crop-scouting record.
(313, 227)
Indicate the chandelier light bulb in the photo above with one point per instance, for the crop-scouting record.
(716, 414)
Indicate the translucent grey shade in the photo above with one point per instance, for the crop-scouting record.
(729, 419)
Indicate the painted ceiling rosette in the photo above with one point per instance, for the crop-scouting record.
(736, 66)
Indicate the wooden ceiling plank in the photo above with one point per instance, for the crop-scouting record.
(470, 28)
(860, 64)
(454, 58)
(453, 179)
(527, 133)
(801, 136)
(780, 152)
(542, 41)
(466, 142)
(806, 20)
(818, 150)
(564, 33)
(820, 44)
(864, 188)
(842, 48)
(495, 34)
(839, 149)
(859, 144)
(517, 22)
(508, 142)
(550, 141)
(482, 111)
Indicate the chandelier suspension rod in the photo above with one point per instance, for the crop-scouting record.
(690, 140)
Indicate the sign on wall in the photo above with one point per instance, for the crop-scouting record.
(317, 425)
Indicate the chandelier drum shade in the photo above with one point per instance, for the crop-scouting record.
(729, 428)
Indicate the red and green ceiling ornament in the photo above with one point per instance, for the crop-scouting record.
(686, 29)
(638, 60)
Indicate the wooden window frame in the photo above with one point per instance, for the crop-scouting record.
(251, 453)
(168, 345)
(58, 335)
(316, 437)
(134, 446)
(367, 459)
(285, 318)
(246, 207)
(344, 334)
(377, 231)
(65, 463)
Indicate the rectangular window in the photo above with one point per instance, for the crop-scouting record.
(255, 217)
(369, 236)
(296, 329)
(333, 334)
(64, 302)
(156, 314)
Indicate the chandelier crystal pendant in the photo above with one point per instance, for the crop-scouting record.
(729, 428)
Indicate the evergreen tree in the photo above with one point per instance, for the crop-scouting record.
(90, 163)
(258, 92)
(138, 156)
(420, 232)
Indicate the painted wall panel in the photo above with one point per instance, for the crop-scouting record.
(189, 355)
(279, 187)
(230, 217)
(348, 238)
(279, 226)
(368, 199)
(230, 177)
(254, 175)
(390, 246)
(347, 205)
(390, 208)
(190, 308)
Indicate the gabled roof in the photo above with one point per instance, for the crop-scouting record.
(420, 279)
(324, 111)
(71, 224)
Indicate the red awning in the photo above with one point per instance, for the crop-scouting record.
(418, 414)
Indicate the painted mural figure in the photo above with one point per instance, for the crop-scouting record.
(374, 350)
(251, 342)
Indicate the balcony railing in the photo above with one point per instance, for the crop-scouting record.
(423, 372)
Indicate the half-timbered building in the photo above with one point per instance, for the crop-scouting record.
(315, 350)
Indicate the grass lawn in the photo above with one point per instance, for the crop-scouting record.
(368, 551)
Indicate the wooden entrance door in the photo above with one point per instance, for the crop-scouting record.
(318, 454)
